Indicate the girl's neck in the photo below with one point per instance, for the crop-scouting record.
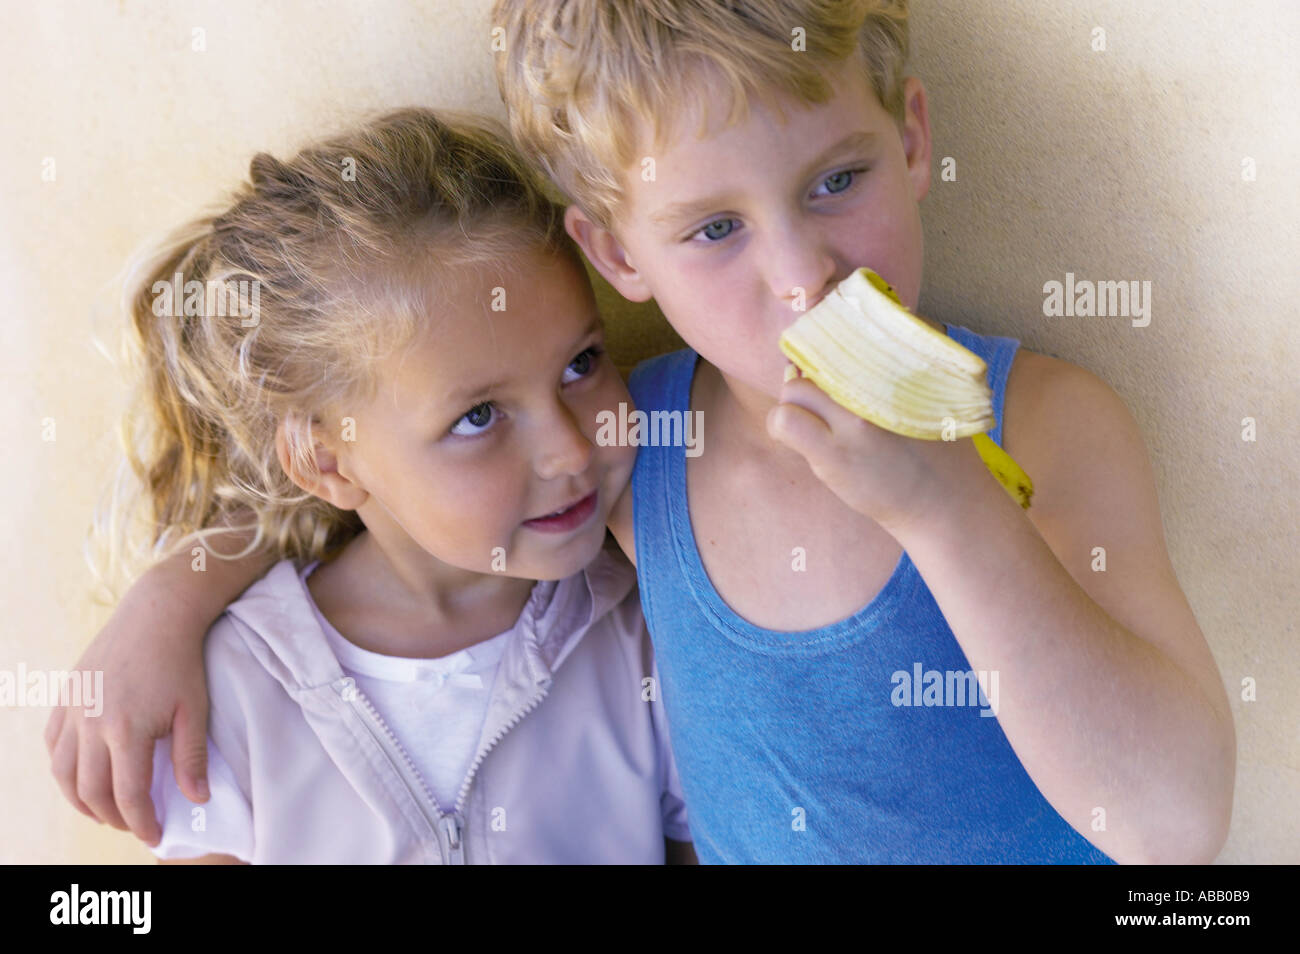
(398, 604)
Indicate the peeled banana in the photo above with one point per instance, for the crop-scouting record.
(863, 347)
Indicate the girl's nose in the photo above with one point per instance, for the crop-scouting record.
(564, 448)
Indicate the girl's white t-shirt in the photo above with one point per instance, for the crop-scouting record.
(435, 708)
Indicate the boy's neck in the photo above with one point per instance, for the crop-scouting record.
(738, 415)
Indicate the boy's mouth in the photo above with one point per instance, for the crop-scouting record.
(566, 518)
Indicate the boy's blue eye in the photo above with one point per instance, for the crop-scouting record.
(583, 364)
(713, 231)
(719, 229)
(479, 417)
(840, 181)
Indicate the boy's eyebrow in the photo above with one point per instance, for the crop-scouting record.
(677, 211)
(468, 391)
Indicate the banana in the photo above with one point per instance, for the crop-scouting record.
(872, 356)
(1004, 467)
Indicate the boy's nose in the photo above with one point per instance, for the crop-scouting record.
(802, 269)
(563, 447)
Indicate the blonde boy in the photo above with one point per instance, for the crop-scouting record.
(817, 587)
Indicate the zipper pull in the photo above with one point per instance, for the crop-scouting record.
(451, 830)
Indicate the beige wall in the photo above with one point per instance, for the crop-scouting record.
(1123, 164)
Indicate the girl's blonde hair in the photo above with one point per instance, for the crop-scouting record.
(339, 251)
(579, 77)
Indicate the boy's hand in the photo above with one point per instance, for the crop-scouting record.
(892, 479)
(151, 655)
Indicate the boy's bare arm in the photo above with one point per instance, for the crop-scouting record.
(1107, 690)
(151, 655)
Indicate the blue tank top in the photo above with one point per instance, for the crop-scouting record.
(835, 744)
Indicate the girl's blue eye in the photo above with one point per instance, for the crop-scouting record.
(479, 418)
(584, 364)
(712, 232)
(482, 417)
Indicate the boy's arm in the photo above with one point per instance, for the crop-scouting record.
(150, 653)
(1109, 694)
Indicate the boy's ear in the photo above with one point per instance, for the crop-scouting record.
(608, 256)
(916, 136)
(324, 481)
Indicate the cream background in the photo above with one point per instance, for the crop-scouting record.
(1116, 165)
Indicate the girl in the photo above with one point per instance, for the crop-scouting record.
(404, 412)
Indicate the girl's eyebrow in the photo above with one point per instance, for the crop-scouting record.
(461, 394)
(679, 211)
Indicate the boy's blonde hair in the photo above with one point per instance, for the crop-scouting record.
(579, 76)
(346, 243)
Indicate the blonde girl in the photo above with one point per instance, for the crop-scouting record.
(447, 663)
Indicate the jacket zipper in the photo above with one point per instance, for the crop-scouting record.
(448, 827)
(482, 753)
(451, 830)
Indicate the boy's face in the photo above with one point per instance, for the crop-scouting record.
(733, 226)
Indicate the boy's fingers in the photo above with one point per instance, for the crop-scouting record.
(132, 776)
(803, 392)
(95, 780)
(63, 765)
(795, 426)
(190, 755)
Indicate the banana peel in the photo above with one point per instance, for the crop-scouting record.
(875, 358)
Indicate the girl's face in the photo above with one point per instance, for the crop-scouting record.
(486, 425)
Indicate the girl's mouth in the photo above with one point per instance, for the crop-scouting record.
(570, 518)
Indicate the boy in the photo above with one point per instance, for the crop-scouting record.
(782, 606)
(815, 586)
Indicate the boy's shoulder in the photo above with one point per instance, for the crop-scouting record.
(1077, 440)
(1047, 398)
(652, 380)
(656, 383)
(1039, 408)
